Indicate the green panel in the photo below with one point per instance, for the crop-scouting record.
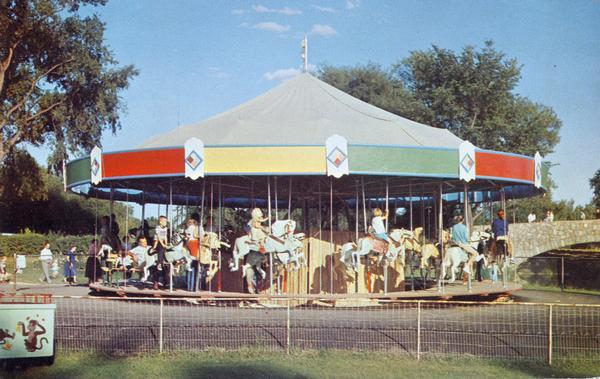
(403, 160)
(78, 171)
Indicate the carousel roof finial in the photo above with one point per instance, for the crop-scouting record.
(304, 54)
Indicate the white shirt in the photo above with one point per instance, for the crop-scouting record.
(531, 218)
(378, 226)
(45, 255)
(124, 261)
(140, 253)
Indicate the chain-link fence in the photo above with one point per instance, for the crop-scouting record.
(417, 328)
(575, 273)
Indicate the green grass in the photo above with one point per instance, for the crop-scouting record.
(580, 291)
(309, 364)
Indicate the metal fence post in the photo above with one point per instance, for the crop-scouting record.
(419, 330)
(550, 334)
(562, 273)
(160, 328)
(288, 337)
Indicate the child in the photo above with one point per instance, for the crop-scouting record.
(377, 224)
(258, 233)
(4, 275)
(161, 234)
(124, 263)
(494, 272)
(54, 269)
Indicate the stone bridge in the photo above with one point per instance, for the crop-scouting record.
(540, 237)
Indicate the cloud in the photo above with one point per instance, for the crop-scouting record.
(271, 26)
(216, 72)
(287, 73)
(323, 9)
(282, 74)
(285, 10)
(237, 11)
(352, 4)
(323, 30)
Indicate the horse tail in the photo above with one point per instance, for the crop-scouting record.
(41, 343)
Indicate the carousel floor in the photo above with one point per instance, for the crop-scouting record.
(450, 291)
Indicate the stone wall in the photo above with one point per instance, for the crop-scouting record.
(540, 237)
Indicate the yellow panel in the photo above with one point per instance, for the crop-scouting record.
(265, 159)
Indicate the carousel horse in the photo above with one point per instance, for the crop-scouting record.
(281, 242)
(350, 253)
(176, 254)
(211, 243)
(456, 256)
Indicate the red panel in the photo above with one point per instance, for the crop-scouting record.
(148, 162)
(504, 166)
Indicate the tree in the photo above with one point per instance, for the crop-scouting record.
(471, 94)
(59, 82)
(595, 185)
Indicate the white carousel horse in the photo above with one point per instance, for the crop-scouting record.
(455, 256)
(210, 242)
(176, 253)
(351, 253)
(281, 241)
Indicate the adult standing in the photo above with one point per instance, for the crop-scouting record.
(500, 231)
(46, 260)
(71, 266)
(193, 234)
(93, 267)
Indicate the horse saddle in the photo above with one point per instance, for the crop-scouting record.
(380, 246)
(277, 239)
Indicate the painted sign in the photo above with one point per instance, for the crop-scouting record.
(336, 148)
(26, 330)
(96, 165)
(466, 161)
(537, 175)
(194, 158)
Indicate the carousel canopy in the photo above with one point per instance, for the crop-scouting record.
(288, 132)
(306, 111)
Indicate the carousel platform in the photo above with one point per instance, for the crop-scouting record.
(455, 291)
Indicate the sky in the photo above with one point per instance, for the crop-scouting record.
(199, 58)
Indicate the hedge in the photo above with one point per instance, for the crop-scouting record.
(32, 243)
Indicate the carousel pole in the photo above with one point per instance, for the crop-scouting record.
(270, 255)
(364, 203)
(356, 238)
(387, 204)
(110, 209)
(320, 240)
(96, 244)
(441, 228)
(410, 206)
(170, 216)
(126, 228)
(210, 228)
(290, 201)
(331, 246)
(468, 225)
(201, 237)
(505, 222)
(220, 235)
(275, 193)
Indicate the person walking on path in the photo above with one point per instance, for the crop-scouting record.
(46, 260)
(71, 266)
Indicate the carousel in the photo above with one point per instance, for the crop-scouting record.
(316, 166)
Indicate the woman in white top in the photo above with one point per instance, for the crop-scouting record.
(46, 260)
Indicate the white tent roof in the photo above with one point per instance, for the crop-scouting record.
(306, 111)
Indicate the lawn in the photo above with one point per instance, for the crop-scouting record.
(308, 364)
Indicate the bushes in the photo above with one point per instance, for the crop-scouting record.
(32, 243)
